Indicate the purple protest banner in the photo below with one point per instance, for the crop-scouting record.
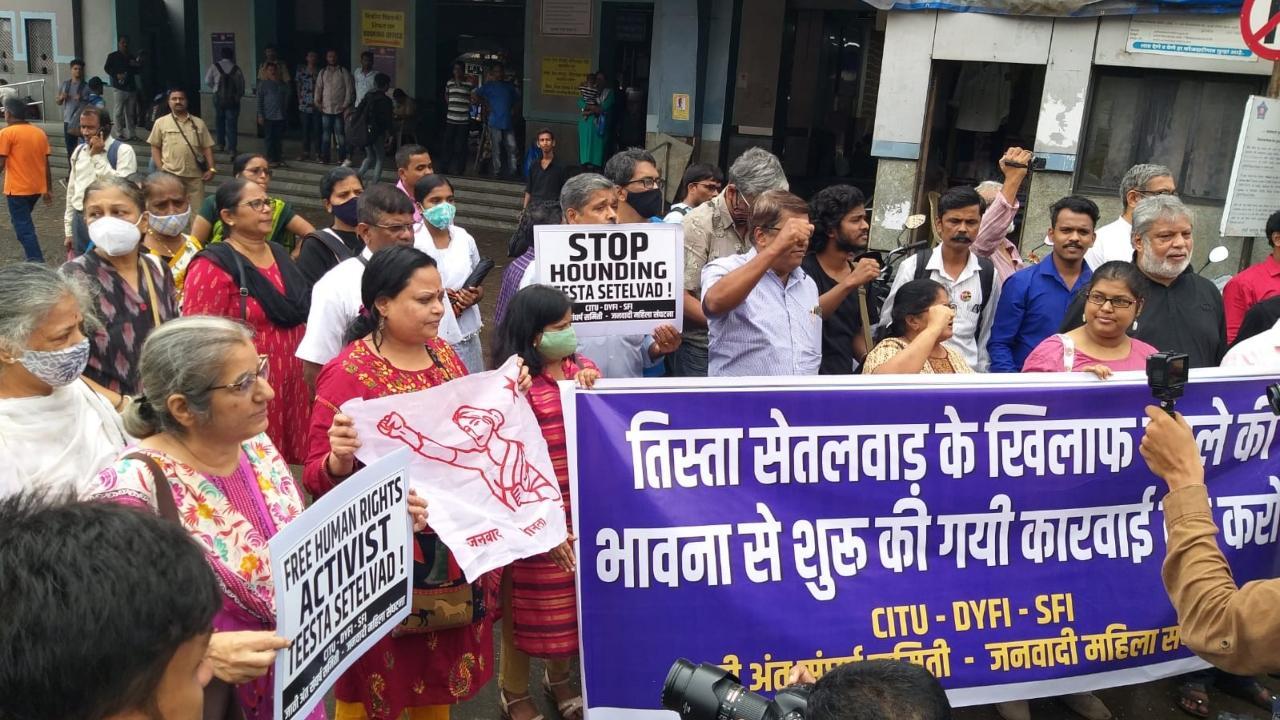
(1002, 531)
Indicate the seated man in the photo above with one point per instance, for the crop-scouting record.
(133, 588)
(762, 309)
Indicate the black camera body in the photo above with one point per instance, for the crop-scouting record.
(708, 692)
(1167, 377)
(1273, 398)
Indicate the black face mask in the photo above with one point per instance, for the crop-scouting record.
(648, 203)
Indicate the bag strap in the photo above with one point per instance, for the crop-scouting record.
(1068, 352)
(165, 505)
(331, 240)
(113, 153)
(923, 256)
(986, 278)
(244, 290)
(153, 296)
(178, 124)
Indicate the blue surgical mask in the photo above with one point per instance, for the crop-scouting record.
(440, 216)
(57, 368)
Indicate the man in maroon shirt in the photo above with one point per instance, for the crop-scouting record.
(1255, 284)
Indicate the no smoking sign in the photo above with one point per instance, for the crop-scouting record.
(1260, 26)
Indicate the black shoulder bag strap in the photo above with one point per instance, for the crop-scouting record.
(986, 278)
(244, 290)
(200, 163)
(165, 505)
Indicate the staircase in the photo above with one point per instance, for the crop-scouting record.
(482, 202)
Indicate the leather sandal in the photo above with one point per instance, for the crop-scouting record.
(570, 709)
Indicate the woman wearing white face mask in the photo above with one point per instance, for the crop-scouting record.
(168, 215)
(55, 431)
(135, 291)
(457, 256)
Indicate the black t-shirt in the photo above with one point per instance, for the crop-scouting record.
(1183, 317)
(842, 326)
(545, 184)
(1259, 319)
(315, 259)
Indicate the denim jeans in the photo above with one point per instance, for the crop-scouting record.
(70, 140)
(20, 207)
(274, 130)
(371, 168)
(497, 139)
(229, 130)
(333, 127)
(310, 132)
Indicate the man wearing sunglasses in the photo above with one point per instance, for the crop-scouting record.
(1115, 239)
(385, 219)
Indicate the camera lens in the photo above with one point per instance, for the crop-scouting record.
(677, 684)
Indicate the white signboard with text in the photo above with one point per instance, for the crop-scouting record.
(1254, 192)
(624, 279)
(1198, 36)
(343, 581)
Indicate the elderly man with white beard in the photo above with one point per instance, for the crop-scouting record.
(1182, 311)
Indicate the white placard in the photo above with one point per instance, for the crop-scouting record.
(1254, 192)
(566, 17)
(479, 459)
(1198, 36)
(343, 580)
(624, 279)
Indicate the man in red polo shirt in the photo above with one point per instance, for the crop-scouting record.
(1255, 284)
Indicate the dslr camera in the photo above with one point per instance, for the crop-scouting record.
(708, 692)
(1167, 377)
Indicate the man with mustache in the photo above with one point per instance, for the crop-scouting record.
(838, 264)
(968, 277)
(1033, 301)
(1182, 311)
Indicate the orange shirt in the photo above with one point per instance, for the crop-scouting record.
(25, 149)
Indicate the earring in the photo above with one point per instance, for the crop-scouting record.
(1084, 318)
(1135, 324)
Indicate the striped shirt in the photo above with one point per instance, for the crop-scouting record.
(590, 93)
(458, 95)
(777, 330)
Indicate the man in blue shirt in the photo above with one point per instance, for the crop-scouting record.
(1034, 300)
(500, 99)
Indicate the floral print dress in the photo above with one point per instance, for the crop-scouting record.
(231, 518)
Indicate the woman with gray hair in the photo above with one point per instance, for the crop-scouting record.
(204, 461)
(56, 432)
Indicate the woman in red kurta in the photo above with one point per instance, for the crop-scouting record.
(276, 304)
(396, 351)
(541, 614)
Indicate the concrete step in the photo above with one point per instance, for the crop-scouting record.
(482, 202)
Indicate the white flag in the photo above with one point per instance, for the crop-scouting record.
(479, 460)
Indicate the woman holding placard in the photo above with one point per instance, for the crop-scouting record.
(434, 659)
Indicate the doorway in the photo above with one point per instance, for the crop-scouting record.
(976, 111)
(626, 31)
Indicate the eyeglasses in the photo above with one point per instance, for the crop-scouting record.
(266, 171)
(410, 228)
(1119, 303)
(246, 383)
(259, 204)
(1149, 193)
(647, 183)
(951, 305)
(710, 186)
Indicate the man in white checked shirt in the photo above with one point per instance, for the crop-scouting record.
(762, 309)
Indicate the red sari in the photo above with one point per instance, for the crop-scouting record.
(209, 290)
(438, 668)
(543, 603)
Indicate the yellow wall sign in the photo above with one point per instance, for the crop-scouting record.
(563, 75)
(382, 28)
(679, 106)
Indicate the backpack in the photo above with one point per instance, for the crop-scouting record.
(113, 153)
(986, 275)
(231, 89)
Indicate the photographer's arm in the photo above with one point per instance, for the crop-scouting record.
(1236, 629)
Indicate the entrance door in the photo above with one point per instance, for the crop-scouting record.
(626, 32)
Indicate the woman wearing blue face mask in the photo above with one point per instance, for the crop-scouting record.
(168, 216)
(456, 255)
(56, 432)
(135, 289)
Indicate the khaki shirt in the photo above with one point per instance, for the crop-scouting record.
(708, 235)
(175, 156)
(1236, 629)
